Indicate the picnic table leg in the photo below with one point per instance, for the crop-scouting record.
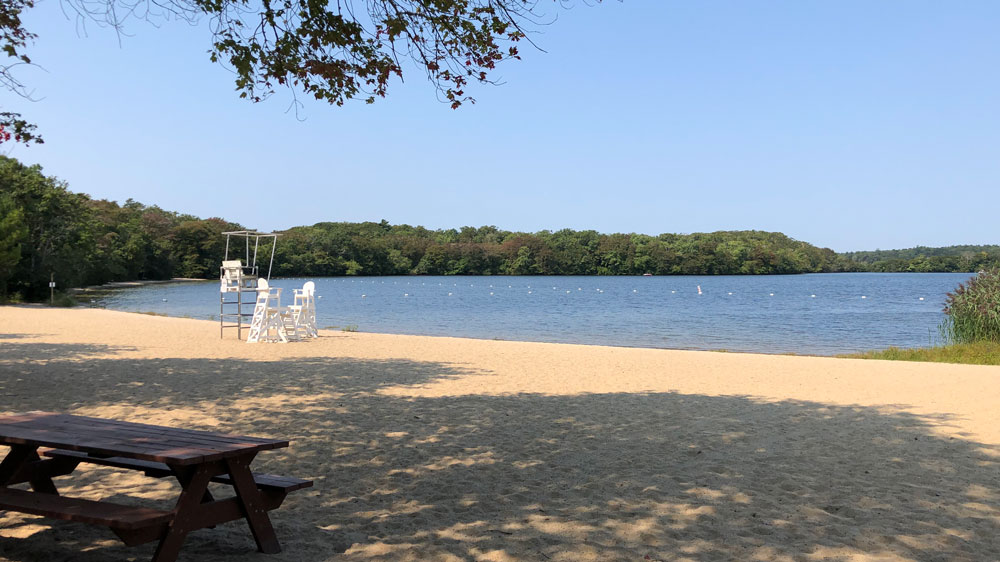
(184, 478)
(186, 515)
(19, 457)
(253, 505)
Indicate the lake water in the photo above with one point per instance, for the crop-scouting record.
(820, 314)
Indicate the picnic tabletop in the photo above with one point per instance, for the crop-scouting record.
(97, 436)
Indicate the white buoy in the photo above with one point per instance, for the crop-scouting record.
(491, 293)
(634, 291)
(363, 296)
(730, 294)
(812, 296)
(449, 294)
(406, 294)
(921, 298)
(567, 292)
(673, 292)
(699, 289)
(164, 300)
(529, 292)
(864, 297)
(772, 294)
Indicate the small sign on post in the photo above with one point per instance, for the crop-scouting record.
(52, 289)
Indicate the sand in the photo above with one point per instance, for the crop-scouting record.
(454, 449)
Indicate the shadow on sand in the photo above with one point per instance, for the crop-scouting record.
(525, 477)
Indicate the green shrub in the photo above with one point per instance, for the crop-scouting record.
(973, 310)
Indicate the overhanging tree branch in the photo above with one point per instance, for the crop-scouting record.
(325, 49)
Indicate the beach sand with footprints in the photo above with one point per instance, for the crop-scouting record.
(444, 449)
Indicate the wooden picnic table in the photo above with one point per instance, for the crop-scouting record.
(194, 458)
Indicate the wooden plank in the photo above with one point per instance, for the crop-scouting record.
(149, 435)
(110, 444)
(81, 421)
(161, 470)
(142, 441)
(101, 422)
(78, 423)
(104, 446)
(84, 511)
(152, 468)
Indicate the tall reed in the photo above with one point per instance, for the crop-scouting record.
(973, 310)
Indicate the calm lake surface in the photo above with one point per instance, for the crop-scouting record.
(818, 314)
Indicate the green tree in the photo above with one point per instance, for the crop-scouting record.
(13, 231)
(61, 231)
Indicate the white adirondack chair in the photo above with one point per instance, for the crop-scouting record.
(232, 278)
(304, 310)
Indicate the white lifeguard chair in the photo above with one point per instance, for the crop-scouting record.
(303, 310)
(272, 322)
(238, 280)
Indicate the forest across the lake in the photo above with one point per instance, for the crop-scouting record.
(47, 229)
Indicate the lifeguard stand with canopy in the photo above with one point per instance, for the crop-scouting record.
(238, 277)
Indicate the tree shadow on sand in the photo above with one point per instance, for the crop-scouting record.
(526, 477)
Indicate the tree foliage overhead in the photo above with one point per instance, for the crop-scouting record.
(333, 51)
(14, 40)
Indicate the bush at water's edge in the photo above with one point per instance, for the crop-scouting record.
(973, 310)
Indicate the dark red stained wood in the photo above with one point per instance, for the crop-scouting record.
(193, 457)
(117, 438)
(254, 507)
(160, 470)
(84, 511)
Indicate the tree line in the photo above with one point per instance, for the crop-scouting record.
(45, 228)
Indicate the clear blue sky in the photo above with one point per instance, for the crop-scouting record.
(847, 124)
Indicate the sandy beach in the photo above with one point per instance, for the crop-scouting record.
(446, 449)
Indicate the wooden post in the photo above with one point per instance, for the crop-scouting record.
(52, 289)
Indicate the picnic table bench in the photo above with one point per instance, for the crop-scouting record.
(194, 458)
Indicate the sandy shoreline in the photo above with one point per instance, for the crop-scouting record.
(429, 448)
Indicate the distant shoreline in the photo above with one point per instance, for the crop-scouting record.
(131, 284)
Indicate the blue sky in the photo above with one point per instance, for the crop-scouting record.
(850, 125)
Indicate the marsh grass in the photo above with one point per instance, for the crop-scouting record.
(977, 353)
(973, 310)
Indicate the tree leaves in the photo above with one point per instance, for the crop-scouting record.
(322, 48)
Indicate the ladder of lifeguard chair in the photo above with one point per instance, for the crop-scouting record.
(257, 325)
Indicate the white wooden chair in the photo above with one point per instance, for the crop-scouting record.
(232, 278)
(304, 310)
(271, 321)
